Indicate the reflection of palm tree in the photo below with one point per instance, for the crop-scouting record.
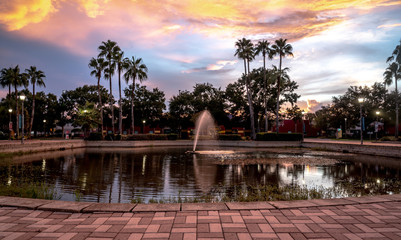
(108, 50)
(36, 77)
(98, 65)
(282, 49)
(245, 51)
(136, 69)
(264, 48)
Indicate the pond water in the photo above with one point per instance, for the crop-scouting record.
(123, 175)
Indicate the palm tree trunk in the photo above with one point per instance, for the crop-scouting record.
(16, 112)
(120, 117)
(396, 109)
(265, 91)
(132, 107)
(278, 95)
(100, 104)
(112, 107)
(253, 136)
(33, 110)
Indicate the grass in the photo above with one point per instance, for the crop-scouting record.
(346, 188)
(30, 190)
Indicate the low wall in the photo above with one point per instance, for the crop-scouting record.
(40, 146)
(376, 150)
(190, 143)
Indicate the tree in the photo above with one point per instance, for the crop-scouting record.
(237, 103)
(108, 50)
(135, 69)
(17, 79)
(98, 65)
(263, 48)
(149, 105)
(87, 116)
(120, 62)
(282, 49)
(393, 71)
(181, 109)
(295, 114)
(5, 79)
(245, 51)
(71, 100)
(36, 78)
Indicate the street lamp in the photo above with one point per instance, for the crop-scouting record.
(44, 127)
(360, 100)
(22, 97)
(377, 123)
(143, 131)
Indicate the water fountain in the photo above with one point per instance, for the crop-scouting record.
(205, 129)
(204, 126)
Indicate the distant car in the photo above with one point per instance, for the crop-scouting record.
(77, 133)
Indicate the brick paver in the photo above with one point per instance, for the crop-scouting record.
(351, 218)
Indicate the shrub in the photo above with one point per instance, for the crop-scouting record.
(147, 137)
(279, 137)
(95, 136)
(109, 137)
(3, 136)
(172, 136)
(232, 137)
(184, 135)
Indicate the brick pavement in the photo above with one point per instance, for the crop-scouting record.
(353, 218)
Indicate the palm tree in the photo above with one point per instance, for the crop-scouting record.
(98, 65)
(36, 77)
(245, 51)
(393, 72)
(264, 48)
(108, 50)
(282, 49)
(136, 69)
(119, 60)
(5, 79)
(17, 79)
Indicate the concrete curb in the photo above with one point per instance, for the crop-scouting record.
(87, 207)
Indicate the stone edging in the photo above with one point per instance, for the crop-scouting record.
(87, 207)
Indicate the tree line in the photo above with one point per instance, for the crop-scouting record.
(255, 98)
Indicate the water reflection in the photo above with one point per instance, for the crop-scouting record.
(162, 173)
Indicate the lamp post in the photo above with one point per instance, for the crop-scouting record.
(303, 125)
(44, 127)
(143, 130)
(10, 124)
(377, 123)
(22, 97)
(360, 100)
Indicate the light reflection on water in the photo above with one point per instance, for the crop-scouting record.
(160, 173)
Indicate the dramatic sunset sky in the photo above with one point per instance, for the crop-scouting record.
(337, 43)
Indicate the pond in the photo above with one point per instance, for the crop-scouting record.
(173, 175)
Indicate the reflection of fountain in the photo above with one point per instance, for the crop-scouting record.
(204, 126)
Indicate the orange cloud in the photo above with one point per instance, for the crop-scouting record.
(18, 14)
(72, 23)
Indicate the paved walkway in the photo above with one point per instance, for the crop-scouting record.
(349, 218)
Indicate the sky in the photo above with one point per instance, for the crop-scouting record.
(336, 43)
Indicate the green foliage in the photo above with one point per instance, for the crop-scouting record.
(30, 190)
(147, 137)
(172, 136)
(78, 195)
(279, 137)
(230, 137)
